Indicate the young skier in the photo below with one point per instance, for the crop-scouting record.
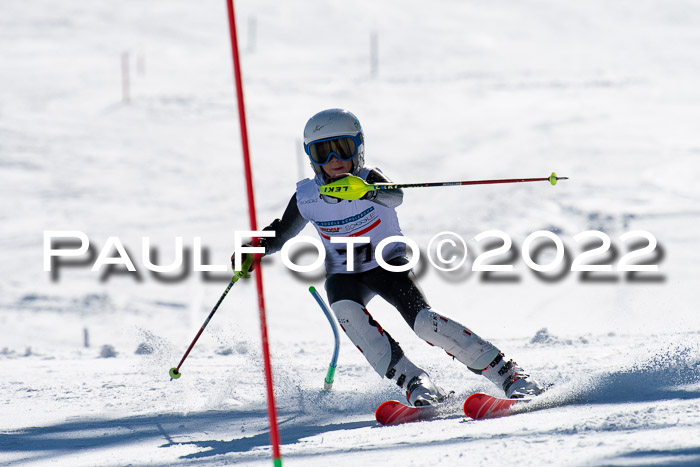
(334, 141)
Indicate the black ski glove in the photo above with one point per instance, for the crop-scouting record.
(370, 195)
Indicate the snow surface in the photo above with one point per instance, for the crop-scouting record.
(603, 92)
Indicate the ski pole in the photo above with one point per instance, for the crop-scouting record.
(355, 188)
(175, 371)
(328, 382)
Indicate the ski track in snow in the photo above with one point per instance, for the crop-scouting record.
(603, 93)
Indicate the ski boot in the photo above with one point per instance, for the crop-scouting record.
(421, 392)
(515, 382)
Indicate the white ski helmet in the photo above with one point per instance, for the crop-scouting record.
(334, 132)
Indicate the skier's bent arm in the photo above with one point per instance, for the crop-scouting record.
(289, 226)
(286, 228)
(388, 198)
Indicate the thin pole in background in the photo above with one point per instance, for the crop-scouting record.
(126, 94)
(374, 54)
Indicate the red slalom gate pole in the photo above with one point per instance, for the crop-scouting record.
(271, 409)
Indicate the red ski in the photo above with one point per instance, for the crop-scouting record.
(479, 405)
(396, 413)
(476, 406)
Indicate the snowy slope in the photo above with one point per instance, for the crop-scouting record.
(606, 94)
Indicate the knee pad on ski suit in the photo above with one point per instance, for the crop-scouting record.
(378, 347)
(455, 339)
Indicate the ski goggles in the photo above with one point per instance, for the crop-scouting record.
(343, 147)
